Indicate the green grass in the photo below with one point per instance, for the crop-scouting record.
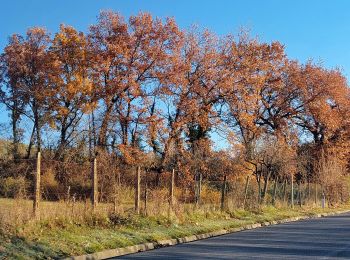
(63, 236)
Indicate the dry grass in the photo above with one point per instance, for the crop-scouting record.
(16, 213)
(65, 228)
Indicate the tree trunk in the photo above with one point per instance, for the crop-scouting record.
(63, 141)
(266, 185)
(15, 133)
(246, 191)
(31, 141)
(259, 189)
(37, 127)
(102, 137)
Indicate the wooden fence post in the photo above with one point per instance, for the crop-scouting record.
(171, 189)
(292, 192)
(223, 193)
(300, 194)
(37, 193)
(246, 191)
(274, 192)
(323, 200)
(68, 194)
(137, 190)
(146, 194)
(94, 193)
(198, 188)
(285, 191)
(115, 199)
(316, 195)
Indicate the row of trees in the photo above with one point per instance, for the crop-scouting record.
(148, 93)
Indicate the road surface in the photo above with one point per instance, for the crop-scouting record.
(323, 238)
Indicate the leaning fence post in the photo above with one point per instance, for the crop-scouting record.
(137, 190)
(94, 194)
(223, 193)
(37, 193)
(171, 189)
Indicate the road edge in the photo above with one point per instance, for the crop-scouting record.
(171, 242)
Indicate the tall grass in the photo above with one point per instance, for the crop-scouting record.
(16, 215)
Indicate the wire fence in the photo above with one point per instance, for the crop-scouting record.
(80, 188)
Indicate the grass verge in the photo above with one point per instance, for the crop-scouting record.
(61, 237)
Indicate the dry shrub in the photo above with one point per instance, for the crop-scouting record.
(122, 198)
(332, 176)
(11, 187)
(14, 213)
(50, 186)
(210, 195)
(10, 168)
(185, 194)
(158, 202)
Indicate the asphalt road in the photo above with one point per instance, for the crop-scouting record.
(323, 238)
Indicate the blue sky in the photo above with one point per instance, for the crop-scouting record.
(309, 29)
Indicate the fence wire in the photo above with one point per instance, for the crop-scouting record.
(66, 187)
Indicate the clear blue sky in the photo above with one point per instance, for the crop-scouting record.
(309, 29)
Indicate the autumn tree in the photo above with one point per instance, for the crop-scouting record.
(11, 94)
(27, 65)
(251, 69)
(129, 60)
(141, 91)
(324, 97)
(72, 95)
(189, 98)
(323, 118)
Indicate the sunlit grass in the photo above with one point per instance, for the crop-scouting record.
(65, 229)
